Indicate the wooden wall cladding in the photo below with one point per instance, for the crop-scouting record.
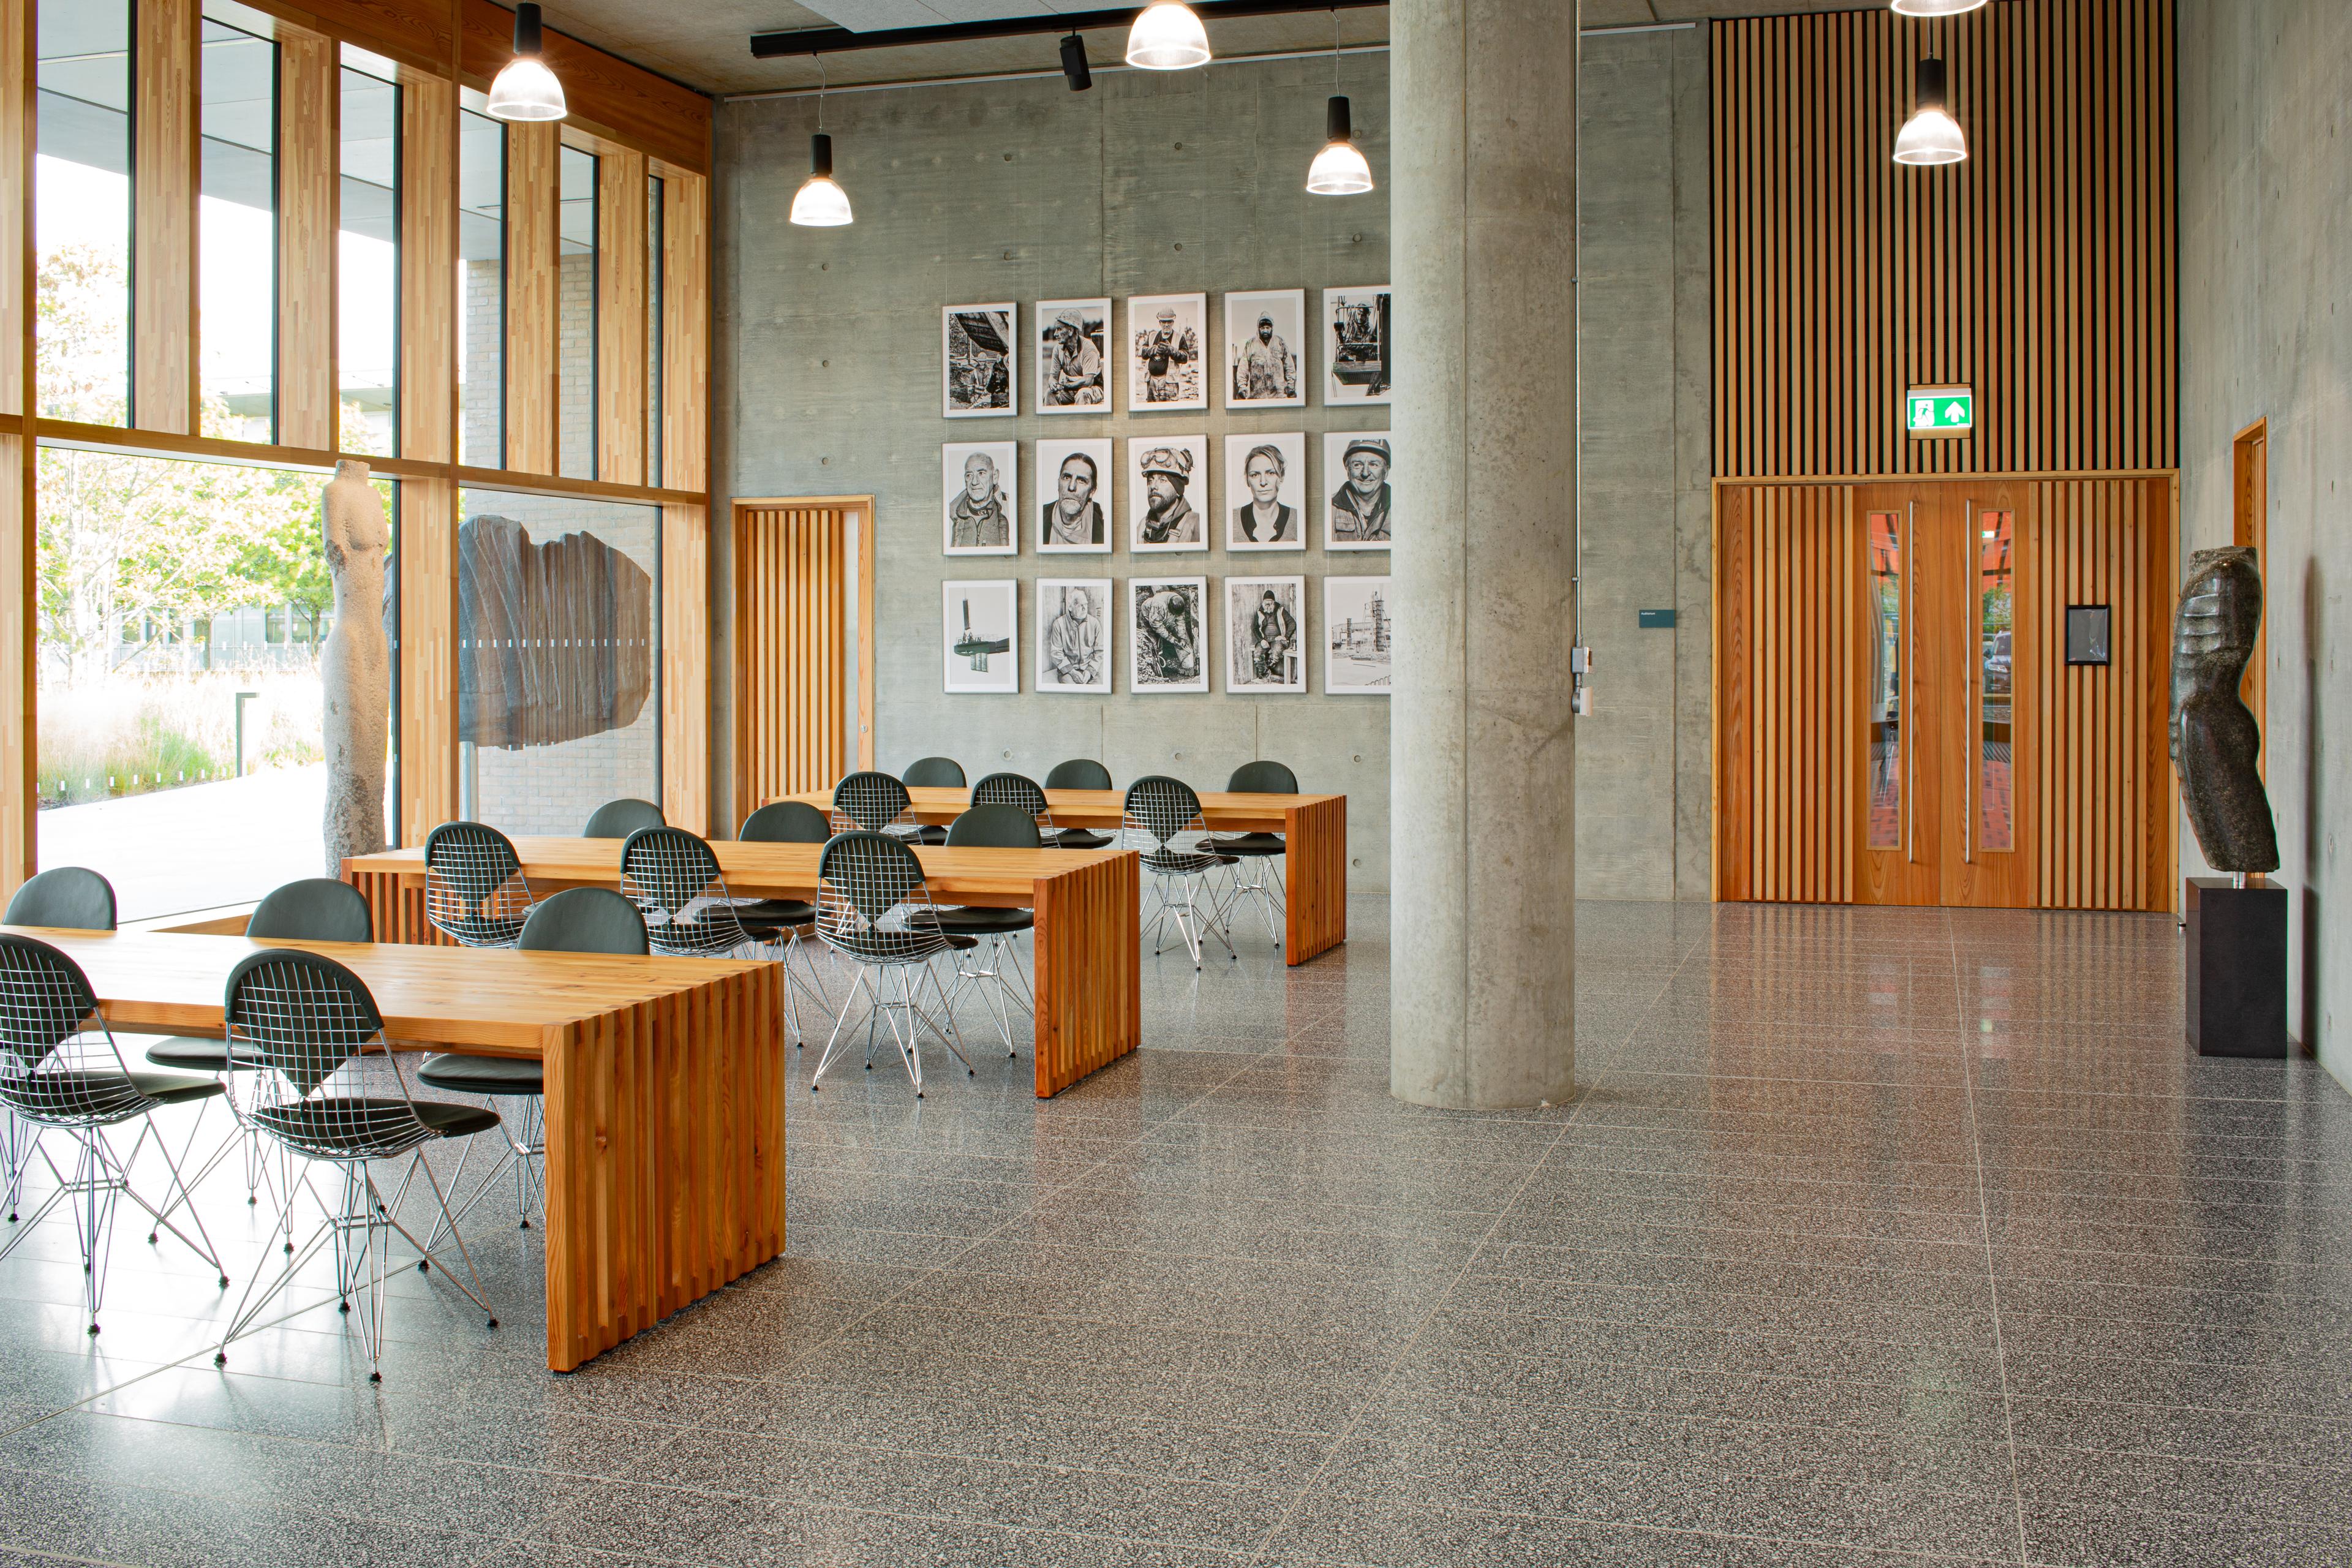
(1788, 720)
(686, 653)
(2043, 272)
(309, 161)
(417, 33)
(166, 176)
(16, 136)
(621, 335)
(429, 280)
(2104, 794)
(427, 542)
(604, 92)
(686, 333)
(534, 311)
(792, 573)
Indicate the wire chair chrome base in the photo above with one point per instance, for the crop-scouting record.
(1195, 921)
(360, 1230)
(100, 1180)
(523, 1151)
(893, 991)
(803, 981)
(993, 972)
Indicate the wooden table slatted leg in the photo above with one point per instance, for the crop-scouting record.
(1090, 975)
(1315, 871)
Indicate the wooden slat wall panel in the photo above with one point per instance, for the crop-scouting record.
(792, 570)
(428, 657)
(2042, 271)
(534, 202)
(309, 157)
(1788, 719)
(685, 332)
(428, 273)
(165, 179)
(621, 388)
(19, 695)
(685, 667)
(16, 134)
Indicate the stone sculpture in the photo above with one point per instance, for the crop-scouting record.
(2215, 742)
(355, 665)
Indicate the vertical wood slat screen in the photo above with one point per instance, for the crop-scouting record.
(309, 165)
(1788, 705)
(685, 667)
(2102, 793)
(792, 571)
(2043, 272)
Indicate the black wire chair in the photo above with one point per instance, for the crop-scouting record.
(992, 971)
(64, 897)
(474, 893)
(619, 819)
(932, 772)
(1079, 773)
(305, 1021)
(1019, 791)
(1163, 820)
(62, 1073)
(789, 822)
(873, 803)
(875, 909)
(673, 878)
(1260, 875)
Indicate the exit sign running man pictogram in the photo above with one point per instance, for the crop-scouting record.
(1939, 411)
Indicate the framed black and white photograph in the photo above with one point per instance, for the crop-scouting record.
(981, 483)
(1266, 345)
(1266, 492)
(1356, 631)
(1074, 497)
(1266, 635)
(1167, 635)
(1167, 353)
(1073, 339)
(1073, 635)
(980, 376)
(980, 631)
(1356, 476)
(1168, 493)
(1359, 345)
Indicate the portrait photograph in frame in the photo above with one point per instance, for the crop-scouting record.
(980, 634)
(1167, 635)
(1074, 637)
(980, 371)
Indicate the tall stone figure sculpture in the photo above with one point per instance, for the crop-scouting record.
(2216, 744)
(356, 665)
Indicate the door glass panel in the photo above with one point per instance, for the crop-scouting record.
(1883, 533)
(1996, 626)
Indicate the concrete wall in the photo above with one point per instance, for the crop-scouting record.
(827, 369)
(2266, 333)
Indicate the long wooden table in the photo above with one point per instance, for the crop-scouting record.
(666, 1077)
(1089, 970)
(1314, 829)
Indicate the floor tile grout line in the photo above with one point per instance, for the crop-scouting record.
(1984, 1218)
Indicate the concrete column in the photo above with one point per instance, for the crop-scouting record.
(1482, 752)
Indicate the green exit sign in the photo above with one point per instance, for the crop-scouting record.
(1929, 411)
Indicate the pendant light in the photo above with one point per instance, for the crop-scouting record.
(1167, 37)
(527, 89)
(1931, 135)
(1933, 8)
(1339, 170)
(820, 203)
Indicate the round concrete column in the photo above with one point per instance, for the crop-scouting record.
(1482, 751)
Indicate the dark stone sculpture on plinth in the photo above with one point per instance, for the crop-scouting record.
(2237, 923)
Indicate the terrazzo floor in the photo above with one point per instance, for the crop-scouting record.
(1872, 1237)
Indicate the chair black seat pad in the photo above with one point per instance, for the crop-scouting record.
(346, 1127)
(56, 1097)
(481, 931)
(775, 913)
(964, 921)
(188, 1053)
(1080, 838)
(929, 833)
(483, 1075)
(1255, 844)
(1184, 863)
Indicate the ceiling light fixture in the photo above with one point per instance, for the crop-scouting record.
(1931, 135)
(1167, 37)
(1339, 170)
(525, 88)
(1933, 8)
(820, 203)
(1074, 64)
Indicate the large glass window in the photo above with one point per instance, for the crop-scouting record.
(1883, 533)
(367, 255)
(558, 659)
(576, 283)
(236, 228)
(81, 216)
(481, 285)
(182, 609)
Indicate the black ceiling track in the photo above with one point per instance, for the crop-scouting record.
(838, 40)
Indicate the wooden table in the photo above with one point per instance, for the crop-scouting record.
(1314, 829)
(666, 1077)
(1089, 979)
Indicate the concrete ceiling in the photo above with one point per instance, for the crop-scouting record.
(707, 43)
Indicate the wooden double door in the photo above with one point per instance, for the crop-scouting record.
(1901, 718)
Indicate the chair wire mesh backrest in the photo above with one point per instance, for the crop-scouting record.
(1015, 790)
(1159, 811)
(619, 819)
(474, 886)
(67, 897)
(785, 822)
(1078, 773)
(672, 877)
(59, 1065)
(302, 1019)
(872, 902)
(1263, 777)
(869, 803)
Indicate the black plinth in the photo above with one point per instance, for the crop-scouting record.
(2237, 968)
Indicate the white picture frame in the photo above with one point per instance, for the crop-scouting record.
(1352, 521)
(1095, 527)
(1064, 388)
(1357, 637)
(1280, 460)
(1266, 645)
(1156, 524)
(1064, 651)
(1274, 373)
(1169, 360)
(975, 342)
(1167, 635)
(971, 526)
(1357, 329)
(980, 635)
